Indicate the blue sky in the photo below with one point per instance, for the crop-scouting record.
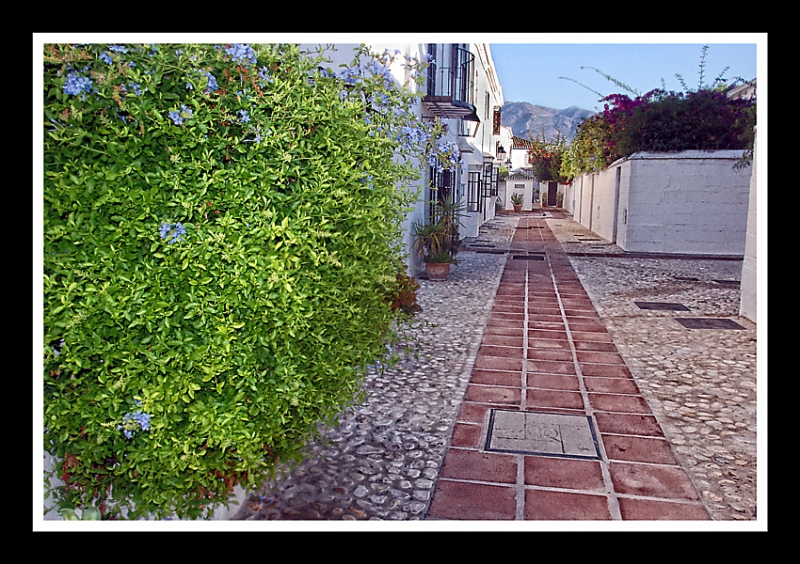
(530, 71)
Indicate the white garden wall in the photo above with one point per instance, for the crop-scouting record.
(691, 202)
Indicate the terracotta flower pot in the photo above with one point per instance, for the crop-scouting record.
(517, 207)
(437, 270)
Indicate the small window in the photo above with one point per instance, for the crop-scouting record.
(474, 200)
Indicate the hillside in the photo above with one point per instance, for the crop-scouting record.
(526, 120)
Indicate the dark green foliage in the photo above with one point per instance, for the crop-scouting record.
(215, 259)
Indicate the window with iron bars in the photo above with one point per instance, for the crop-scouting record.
(490, 180)
(441, 186)
(474, 199)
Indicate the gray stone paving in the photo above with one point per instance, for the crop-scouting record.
(383, 459)
(701, 384)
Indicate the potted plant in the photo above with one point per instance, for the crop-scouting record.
(559, 199)
(516, 201)
(437, 242)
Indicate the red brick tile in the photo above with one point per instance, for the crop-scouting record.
(562, 506)
(492, 394)
(535, 316)
(493, 350)
(651, 510)
(564, 473)
(496, 377)
(606, 370)
(601, 336)
(554, 398)
(595, 346)
(548, 344)
(503, 340)
(651, 481)
(546, 313)
(498, 363)
(495, 321)
(553, 382)
(549, 354)
(551, 367)
(619, 403)
(585, 324)
(546, 325)
(540, 334)
(611, 385)
(600, 357)
(464, 500)
(621, 424)
(467, 436)
(638, 449)
(508, 307)
(506, 331)
(472, 412)
(462, 464)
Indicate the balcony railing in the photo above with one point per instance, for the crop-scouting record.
(451, 84)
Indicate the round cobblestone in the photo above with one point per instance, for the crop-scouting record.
(382, 459)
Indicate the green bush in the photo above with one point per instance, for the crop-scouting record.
(222, 227)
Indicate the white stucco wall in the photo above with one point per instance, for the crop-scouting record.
(747, 306)
(509, 187)
(691, 202)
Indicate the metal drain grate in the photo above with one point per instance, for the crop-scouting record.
(490, 251)
(547, 434)
(528, 257)
(662, 306)
(732, 283)
(707, 323)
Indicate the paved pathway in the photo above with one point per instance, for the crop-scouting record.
(545, 350)
(673, 425)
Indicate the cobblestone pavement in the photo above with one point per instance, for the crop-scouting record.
(700, 383)
(382, 461)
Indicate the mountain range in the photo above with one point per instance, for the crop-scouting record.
(528, 120)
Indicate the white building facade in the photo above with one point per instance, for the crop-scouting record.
(462, 92)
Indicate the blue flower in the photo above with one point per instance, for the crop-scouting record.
(176, 234)
(130, 422)
(165, 229)
(75, 84)
(243, 116)
(242, 53)
(136, 88)
(118, 48)
(176, 118)
(105, 57)
(212, 83)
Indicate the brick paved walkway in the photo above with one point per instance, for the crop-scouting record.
(545, 350)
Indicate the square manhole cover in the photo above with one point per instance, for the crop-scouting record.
(707, 323)
(547, 434)
(662, 306)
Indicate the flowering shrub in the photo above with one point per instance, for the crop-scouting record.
(660, 121)
(222, 227)
(545, 158)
